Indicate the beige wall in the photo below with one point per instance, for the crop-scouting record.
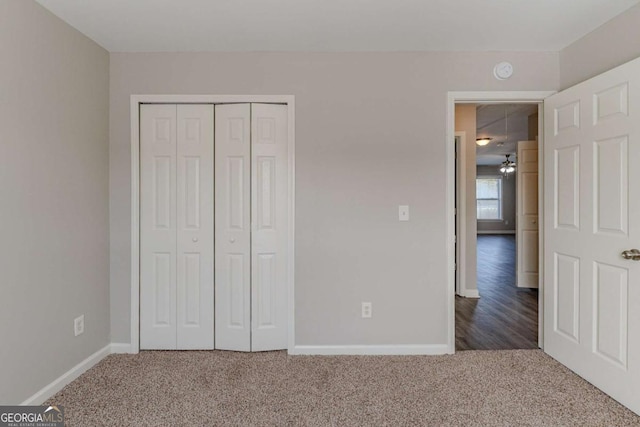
(612, 44)
(370, 135)
(466, 122)
(54, 198)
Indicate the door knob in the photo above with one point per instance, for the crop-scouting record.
(232, 240)
(195, 239)
(632, 254)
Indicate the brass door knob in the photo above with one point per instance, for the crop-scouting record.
(632, 254)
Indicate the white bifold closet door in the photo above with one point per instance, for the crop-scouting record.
(251, 222)
(176, 227)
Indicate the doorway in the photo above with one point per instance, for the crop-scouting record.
(590, 136)
(503, 311)
(466, 238)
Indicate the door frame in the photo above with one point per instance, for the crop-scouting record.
(460, 213)
(496, 97)
(135, 102)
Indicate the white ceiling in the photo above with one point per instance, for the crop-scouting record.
(491, 121)
(335, 25)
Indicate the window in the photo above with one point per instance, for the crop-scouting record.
(489, 198)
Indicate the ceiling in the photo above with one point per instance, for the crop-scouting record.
(335, 25)
(490, 122)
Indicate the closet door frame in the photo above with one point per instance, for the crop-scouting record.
(135, 102)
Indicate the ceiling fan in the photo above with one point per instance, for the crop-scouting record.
(507, 167)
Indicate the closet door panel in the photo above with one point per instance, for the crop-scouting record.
(269, 218)
(232, 227)
(158, 227)
(195, 227)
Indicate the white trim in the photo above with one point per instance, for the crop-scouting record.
(520, 97)
(471, 293)
(212, 99)
(540, 225)
(135, 224)
(496, 232)
(120, 348)
(59, 383)
(500, 97)
(333, 350)
(461, 214)
(136, 100)
(292, 219)
(450, 227)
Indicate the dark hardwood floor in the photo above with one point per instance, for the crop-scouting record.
(505, 316)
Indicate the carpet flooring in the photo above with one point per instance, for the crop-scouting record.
(218, 388)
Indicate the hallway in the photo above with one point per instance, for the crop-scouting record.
(505, 317)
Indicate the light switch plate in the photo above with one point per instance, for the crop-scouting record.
(403, 213)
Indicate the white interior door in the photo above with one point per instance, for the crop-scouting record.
(232, 223)
(269, 218)
(176, 235)
(158, 227)
(592, 215)
(195, 227)
(527, 214)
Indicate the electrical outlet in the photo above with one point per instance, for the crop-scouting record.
(403, 213)
(78, 325)
(367, 310)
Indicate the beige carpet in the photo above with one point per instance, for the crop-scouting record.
(472, 388)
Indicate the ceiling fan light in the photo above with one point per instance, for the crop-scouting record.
(507, 166)
(483, 141)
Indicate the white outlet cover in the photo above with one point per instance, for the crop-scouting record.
(403, 213)
(367, 310)
(78, 325)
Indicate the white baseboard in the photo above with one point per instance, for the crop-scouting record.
(496, 232)
(410, 349)
(120, 348)
(470, 293)
(73, 373)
